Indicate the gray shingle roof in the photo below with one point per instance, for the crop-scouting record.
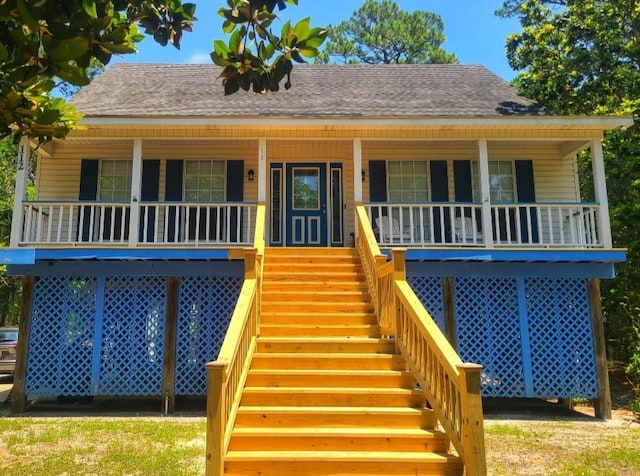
(185, 90)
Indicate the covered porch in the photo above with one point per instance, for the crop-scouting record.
(419, 190)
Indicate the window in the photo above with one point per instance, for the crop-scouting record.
(115, 180)
(407, 181)
(204, 180)
(501, 182)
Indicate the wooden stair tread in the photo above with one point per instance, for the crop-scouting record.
(328, 340)
(334, 390)
(320, 372)
(365, 456)
(360, 432)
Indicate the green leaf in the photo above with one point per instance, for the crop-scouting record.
(65, 50)
(231, 87)
(27, 17)
(73, 75)
(302, 28)
(48, 116)
(4, 53)
(89, 7)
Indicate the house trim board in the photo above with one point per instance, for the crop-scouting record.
(612, 255)
(568, 122)
(525, 341)
(97, 334)
(129, 268)
(532, 270)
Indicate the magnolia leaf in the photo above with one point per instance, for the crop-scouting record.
(48, 116)
(65, 50)
(89, 7)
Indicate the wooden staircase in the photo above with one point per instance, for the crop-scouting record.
(326, 395)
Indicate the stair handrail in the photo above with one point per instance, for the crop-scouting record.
(228, 373)
(377, 270)
(451, 387)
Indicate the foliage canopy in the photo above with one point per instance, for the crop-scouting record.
(583, 57)
(381, 32)
(42, 41)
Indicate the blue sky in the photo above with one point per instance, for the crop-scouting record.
(473, 32)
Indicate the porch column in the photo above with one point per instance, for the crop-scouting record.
(600, 186)
(483, 169)
(262, 170)
(24, 155)
(357, 179)
(136, 190)
(357, 170)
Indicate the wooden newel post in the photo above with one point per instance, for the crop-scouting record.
(250, 255)
(472, 420)
(216, 417)
(603, 403)
(399, 264)
(399, 274)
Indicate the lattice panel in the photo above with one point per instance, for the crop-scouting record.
(204, 310)
(429, 291)
(61, 337)
(488, 332)
(562, 352)
(133, 336)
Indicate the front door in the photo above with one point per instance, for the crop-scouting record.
(306, 204)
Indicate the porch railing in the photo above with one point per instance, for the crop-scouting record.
(160, 223)
(460, 224)
(451, 387)
(228, 373)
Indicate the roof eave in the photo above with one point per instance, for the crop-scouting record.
(603, 123)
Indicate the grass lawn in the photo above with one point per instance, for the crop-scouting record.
(132, 445)
(119, 445)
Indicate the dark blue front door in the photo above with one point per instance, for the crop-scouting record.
(306, 204)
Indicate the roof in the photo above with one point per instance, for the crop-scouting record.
(318, 91)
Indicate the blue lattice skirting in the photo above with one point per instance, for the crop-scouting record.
(532, 335)
(105, 335)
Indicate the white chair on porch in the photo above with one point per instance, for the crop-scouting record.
(466, 231)
(391, 234)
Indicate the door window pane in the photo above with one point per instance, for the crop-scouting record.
(306, 189)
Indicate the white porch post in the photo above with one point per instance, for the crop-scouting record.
(357, 178)
(600, 185)
(22, 173)
(262, 170)
(483, 162)
(136, 190)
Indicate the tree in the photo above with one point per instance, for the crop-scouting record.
(9, 287)
(381, 32)
(583, 57)
(249, 58)
(45, 40)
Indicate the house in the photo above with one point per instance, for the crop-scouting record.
(133, 248)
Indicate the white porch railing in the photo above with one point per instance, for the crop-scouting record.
(160, 223)
(460, 224)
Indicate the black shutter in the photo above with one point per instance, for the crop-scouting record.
(149, 193)
(235, 193)
(377, 181)
(525, 187)
(173, 193)
(88, 191)
(440, 193)
(377, 187)
(462, 181)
